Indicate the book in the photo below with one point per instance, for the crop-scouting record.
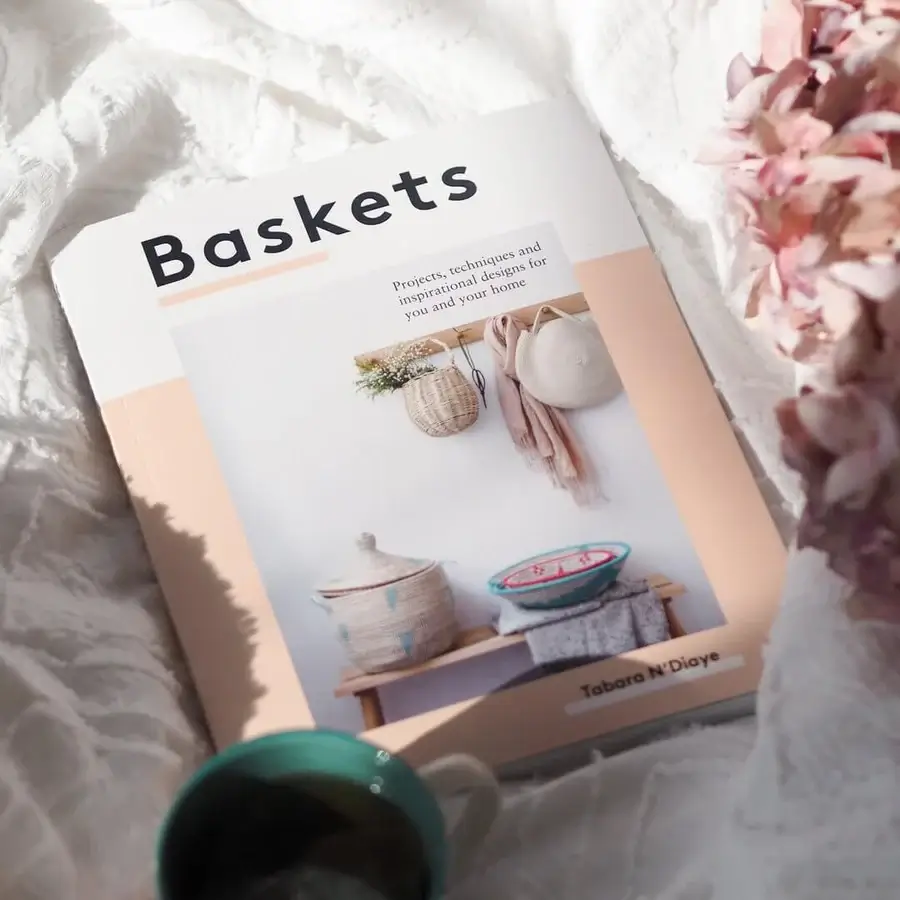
(421, 447)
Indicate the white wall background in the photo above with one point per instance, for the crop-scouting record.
(311, 463)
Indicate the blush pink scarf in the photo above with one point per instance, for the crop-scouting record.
(541, 433)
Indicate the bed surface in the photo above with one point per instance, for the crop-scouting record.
(108, 105)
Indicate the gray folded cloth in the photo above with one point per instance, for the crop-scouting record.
(617, 625)
(514, 620)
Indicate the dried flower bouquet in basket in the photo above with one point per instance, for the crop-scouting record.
(812, 157)
(401, 365)
(439, 401)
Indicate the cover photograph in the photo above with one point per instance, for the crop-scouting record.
(421, 447)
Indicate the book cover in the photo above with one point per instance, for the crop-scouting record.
(422, 448)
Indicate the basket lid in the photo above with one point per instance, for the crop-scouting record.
(371, 567)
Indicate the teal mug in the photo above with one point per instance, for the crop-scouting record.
(321, 815)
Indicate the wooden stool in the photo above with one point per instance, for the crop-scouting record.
(470, 644)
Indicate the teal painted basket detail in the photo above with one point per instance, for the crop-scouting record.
(391, 596)
(396, 625)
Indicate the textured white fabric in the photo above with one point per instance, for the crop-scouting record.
(113, 104)
(634, 827)
(806, 806)
(815, 810)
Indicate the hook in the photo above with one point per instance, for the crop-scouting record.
(477, 375)
(461, 334)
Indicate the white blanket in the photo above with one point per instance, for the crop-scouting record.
(112, 104)
(806, 806)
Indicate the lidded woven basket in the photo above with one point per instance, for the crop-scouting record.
(390, 612)
(442, 402)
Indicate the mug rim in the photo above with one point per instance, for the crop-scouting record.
(240, 750)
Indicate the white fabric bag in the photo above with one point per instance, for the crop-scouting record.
(564, 362)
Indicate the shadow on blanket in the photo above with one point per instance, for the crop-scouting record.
(207, 619)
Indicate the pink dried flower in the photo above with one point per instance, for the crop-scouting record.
(846, 446)
(811, 154)
(843, 442)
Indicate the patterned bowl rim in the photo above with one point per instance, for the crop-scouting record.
(543, 581)
(620, 548)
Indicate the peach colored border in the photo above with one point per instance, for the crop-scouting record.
(169, 463)
(226, 284)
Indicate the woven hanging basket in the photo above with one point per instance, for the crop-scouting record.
(442, 402)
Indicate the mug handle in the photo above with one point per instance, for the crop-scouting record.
(462, 774)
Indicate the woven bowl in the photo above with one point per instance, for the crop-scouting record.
(561, 578)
